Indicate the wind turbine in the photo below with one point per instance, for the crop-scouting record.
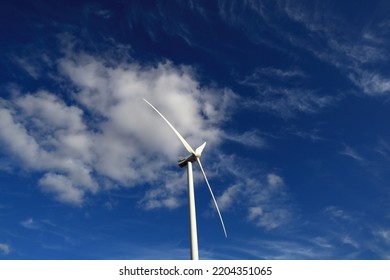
(194, 156)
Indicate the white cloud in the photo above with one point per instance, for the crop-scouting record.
(354, 53)
(30, 223)
(348, 240)
(5, 248)
(335, 212)
(326, 32)
(62, 188)
(322, 242)
(384, 234)
(29, 67)
(255, 212)
(106, 14)
(284, 250)
(265, 74)
(15, 136)
(251, 138)
(272, 219)
(313, 134)
(330, 37)
(281, 91)
(370, 82)
(287, 102)
(383, 148)
(169, 195)
(228, 197)
(49, 112)
(350, 152)
(274, 180)
(33, 130)
(103, 131)
(262, 197)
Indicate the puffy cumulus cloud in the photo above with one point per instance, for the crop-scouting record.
(167, 195)
(100, 129)
(15, 136)
(62, 188)
(49, 112)
(5, 248)
(35, 130)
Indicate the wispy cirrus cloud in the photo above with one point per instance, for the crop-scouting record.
(5, 248)
(311, 134)
(383, 148)
(251, 138)
(342, 233)
(260, 75)
(287, 249)
(346, 239)
(346, 236)
(380, 243)
(283, 91)
(352, 50)
(352, 153)
(266, 200)
(287, 102)
(350, 44)
(30, 223)
(29, 67)
(335, 212)
(384, 234)
(370, 82)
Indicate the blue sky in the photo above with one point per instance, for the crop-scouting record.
(292, 98)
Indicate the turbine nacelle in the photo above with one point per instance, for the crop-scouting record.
(192, 157)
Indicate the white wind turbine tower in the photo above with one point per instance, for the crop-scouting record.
(194, 156)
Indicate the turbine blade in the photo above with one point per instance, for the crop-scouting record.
(185, 143)
(199, 150)
(212, 195)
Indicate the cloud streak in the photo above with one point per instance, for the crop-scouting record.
(352, 52)
(251, 138)
(263, 196)
(30, 223)
(5, 248)
(283, 92)
(350, 152)
(350, 44)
